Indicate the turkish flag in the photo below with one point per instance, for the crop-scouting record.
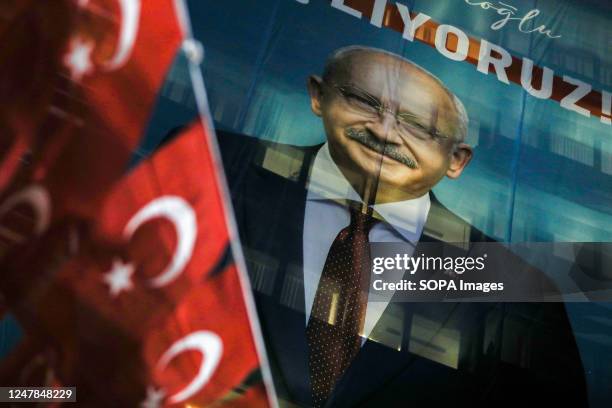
(206, 348)
(78, 85)
(77, 89)
(159, 232)
(123, 281)
(150, 290)
(115, 62)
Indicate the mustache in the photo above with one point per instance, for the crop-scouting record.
(367, 139)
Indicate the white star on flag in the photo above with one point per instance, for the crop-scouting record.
(154, 398)
(119, 278)
(78, 60)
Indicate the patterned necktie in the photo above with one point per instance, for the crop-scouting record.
(339, 307)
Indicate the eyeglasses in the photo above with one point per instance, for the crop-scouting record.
(369, 106)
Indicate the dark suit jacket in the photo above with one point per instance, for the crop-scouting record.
(418, 353)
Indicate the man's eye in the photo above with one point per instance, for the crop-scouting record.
(360, 100)
(409, 120)
(415, 127)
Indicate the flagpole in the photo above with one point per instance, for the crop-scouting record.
(195, 54)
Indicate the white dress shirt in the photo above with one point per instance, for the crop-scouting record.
(325, 218)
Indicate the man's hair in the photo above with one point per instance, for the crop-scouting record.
(336, 65)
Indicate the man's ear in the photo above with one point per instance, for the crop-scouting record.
(460, 158)
(315, 89)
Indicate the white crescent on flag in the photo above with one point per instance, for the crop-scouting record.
(130, 17)
(209, 345)
(36, 197)
(183, 218)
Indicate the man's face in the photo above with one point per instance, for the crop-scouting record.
(391, 124)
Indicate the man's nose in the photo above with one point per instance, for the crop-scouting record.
(384, 128)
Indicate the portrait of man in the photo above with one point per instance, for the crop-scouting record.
(306, 217)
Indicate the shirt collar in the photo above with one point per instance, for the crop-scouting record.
(327, 182)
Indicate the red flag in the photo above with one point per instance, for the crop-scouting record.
(115, 62)
(77, 89)
(159, 233)
(206, 348)
(152, 291)
(127, 280)
(77, 93)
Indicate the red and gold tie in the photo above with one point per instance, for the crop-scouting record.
(339, 307)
